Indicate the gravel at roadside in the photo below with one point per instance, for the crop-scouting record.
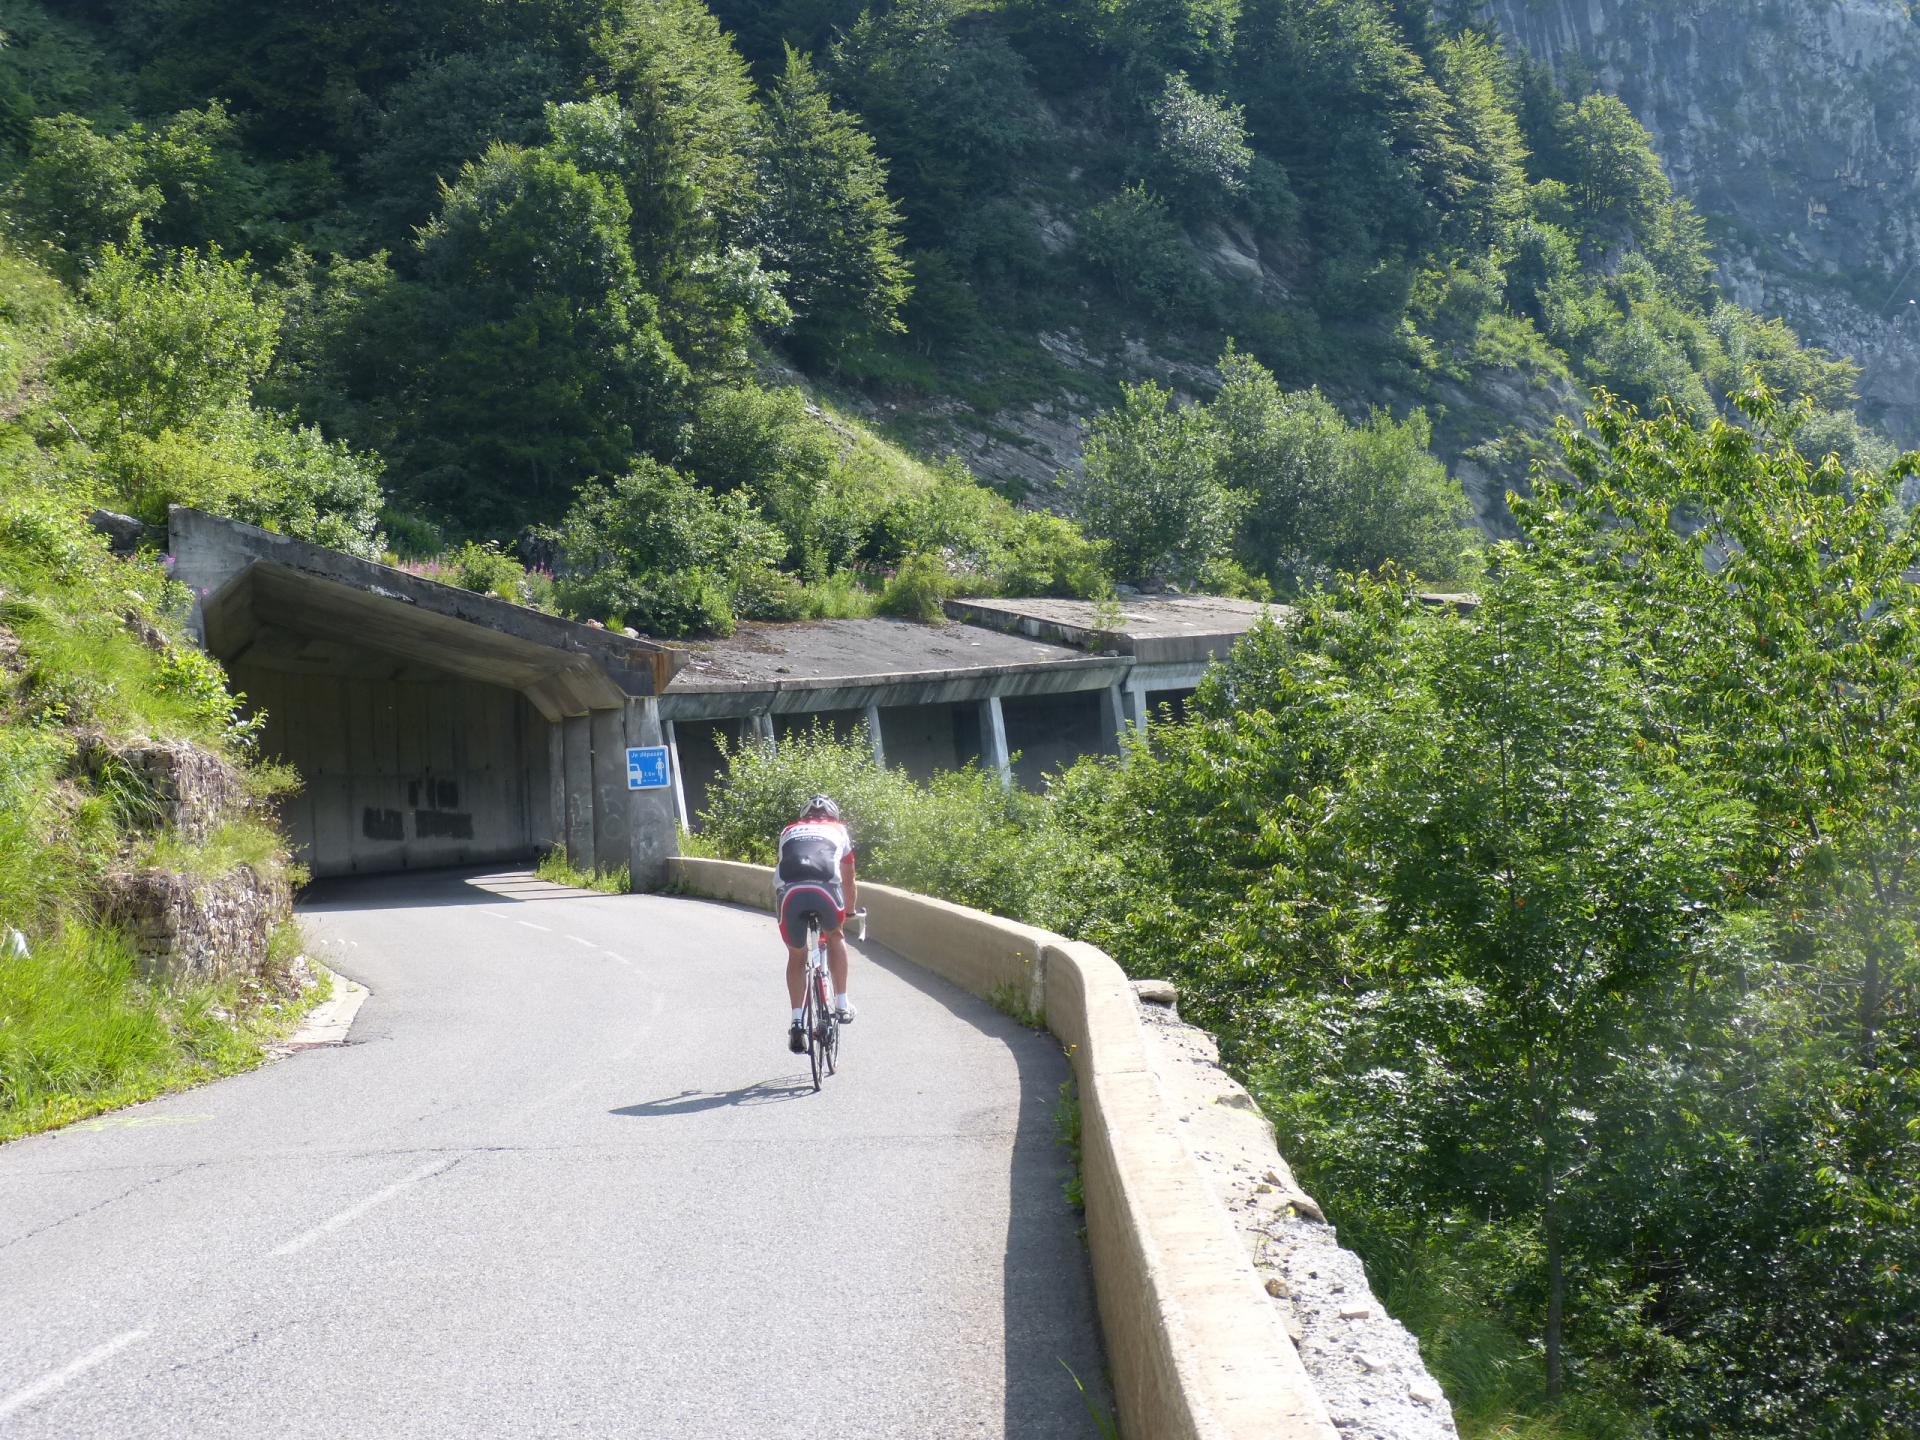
(1364, 1363)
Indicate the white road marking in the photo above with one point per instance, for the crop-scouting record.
(354, 1212)
(578, 941)
(531, 926)
(47, 1384)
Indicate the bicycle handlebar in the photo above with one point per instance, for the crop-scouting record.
(861, 916)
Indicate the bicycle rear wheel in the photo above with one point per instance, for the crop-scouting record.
(814, 1016)
(829, 1023)
(811, 1019)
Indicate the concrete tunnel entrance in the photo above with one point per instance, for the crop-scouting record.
(404, 772)
(429, 726)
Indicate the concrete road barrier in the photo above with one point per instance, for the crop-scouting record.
(1197, 1349)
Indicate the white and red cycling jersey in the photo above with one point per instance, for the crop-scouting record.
(814, 856)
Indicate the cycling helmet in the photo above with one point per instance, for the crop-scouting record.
(822, 806)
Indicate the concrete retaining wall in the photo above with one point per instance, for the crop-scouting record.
(1196, 1348)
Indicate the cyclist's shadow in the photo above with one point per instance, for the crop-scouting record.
(689, 1102)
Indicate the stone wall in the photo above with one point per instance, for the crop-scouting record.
(193, 928)
(193, 789)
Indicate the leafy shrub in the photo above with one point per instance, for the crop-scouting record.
(1042, 554)
(200, 683)
(485, 569)
(80, 191)
(1134, 242)
(258, 467)
(412, 537)
(918, 589)
(166, 344)
(1150, 488)
(763, 442)
(962, 836)
(1201, 151)
(656, 551)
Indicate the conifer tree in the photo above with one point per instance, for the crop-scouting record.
(827, 220)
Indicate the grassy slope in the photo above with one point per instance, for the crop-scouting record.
(80, 1031)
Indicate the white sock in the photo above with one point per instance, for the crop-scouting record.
(840, 1001)
(799, 1015)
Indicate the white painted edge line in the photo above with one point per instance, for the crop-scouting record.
(353, 1212)
(330, 1022)
(578, 941)
(47, 1384)
(531, 926)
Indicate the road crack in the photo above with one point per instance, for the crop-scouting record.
(99, 1205)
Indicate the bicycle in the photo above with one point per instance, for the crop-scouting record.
(822, 1025)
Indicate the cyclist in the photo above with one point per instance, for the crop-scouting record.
(815, 877)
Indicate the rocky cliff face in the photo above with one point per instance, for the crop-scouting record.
(1794, 125)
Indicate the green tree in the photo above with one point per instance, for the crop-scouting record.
(827, 222)
(166, 344)
(1201, 151)
(1132, 239)
(1150, 489)
(949, 103)
(81, 191)
(544, 363)
(710, 302)
(656, 551)
(1615, 174)
(692, 153)
(1362, 128)
(1473, 71)
(1168, 34)
(1784, 615)
(1324, 496)
(764, 444)
(445, 113)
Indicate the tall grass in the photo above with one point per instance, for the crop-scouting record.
(238, 842)
(81, 1032)
(556, 869)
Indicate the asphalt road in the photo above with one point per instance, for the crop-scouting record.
(565, 1179)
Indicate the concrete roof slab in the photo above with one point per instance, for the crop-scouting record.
(840, 652)
(1156, 629)
(303, 603)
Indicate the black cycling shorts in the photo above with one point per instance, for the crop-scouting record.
(801, 901)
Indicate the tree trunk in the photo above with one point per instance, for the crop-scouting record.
(1872, 996)
(1556, 1294)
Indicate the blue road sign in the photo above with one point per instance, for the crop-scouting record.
(647, 768)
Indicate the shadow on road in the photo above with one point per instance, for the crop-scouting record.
(412, 889)
(692, 1102)
(1052, 1330)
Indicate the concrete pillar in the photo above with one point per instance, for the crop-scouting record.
(993, 739)
(679, 785)
(1138, 712)
(577, 734)
(763, 728)
(556, 797)
(609, 786)
(652, 835)
(873, 734)
(1113, 714)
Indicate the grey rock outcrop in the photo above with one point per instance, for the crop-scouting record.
(1795, 127)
